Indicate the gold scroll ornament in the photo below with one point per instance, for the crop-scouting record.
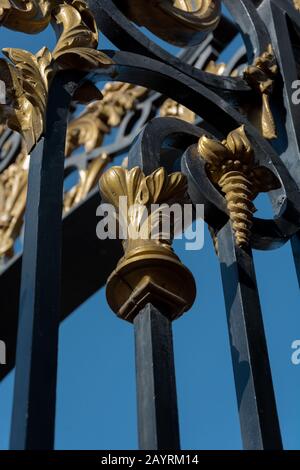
(99, 117)
(27, 76)
(180, 22)
(231, 167)
(90, 128)
(149, 270)
(26, 16)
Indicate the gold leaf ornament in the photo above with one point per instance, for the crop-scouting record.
(27, 76)
(180, 22)
(78, 41)
(149, 271)
(99, 117)
(26, 16)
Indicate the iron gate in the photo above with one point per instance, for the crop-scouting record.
(226, 133)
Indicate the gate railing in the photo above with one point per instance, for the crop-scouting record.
(241, 144)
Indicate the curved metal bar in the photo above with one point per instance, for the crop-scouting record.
(255, 34)
(150, 73)
(126, 36)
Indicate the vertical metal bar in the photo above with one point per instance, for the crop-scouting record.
(36, 357)
(252, 373)
(295, 242)
(288, 147)
(156, 386)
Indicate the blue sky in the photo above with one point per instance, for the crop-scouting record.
(96, 399)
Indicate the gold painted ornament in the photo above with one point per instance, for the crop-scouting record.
(179, 22)
(231, 167)
(27, 76)
(149, 271)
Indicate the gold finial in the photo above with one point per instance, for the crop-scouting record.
(231, 167)
(149, 270)
(261, 76)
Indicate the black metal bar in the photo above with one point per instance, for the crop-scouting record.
(276, 14)
(253, 380)
(295, 243)
(36, 358)
(156, 385)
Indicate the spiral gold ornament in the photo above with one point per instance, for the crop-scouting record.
(239, 194)
(231, 167)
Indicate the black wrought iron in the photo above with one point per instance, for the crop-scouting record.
(156, 386)
(36, 357)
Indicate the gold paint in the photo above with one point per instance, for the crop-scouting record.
(27, 76)
(171, 108)
(98, 119)
(261, 76)
(175, 21)
(297, 4)
(231, 167)
(214, 68)
(26, 16)
(87, 180)
(149, 270)
(13, 189)
(214, 238)
(199, 14)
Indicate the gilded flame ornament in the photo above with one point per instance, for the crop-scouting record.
(149, 271)
(231, 167)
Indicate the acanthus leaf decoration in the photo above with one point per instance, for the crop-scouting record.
(27, 76)
(101, 116)
(26, 16)
(78, 41)
(149, 271)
